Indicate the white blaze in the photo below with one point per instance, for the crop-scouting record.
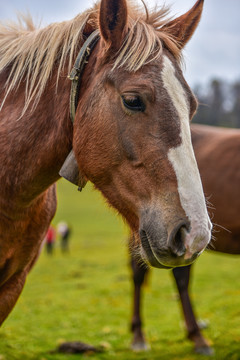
(184, 164)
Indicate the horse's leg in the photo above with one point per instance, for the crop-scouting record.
(139, 272)
(9, 294)
(12, 288)
(21, 247)
(182, 276)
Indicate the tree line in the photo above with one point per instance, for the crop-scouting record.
(219, 103)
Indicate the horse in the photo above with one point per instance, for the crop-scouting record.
(217, 153)
(128, 132)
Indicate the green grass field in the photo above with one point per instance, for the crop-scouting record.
(86, 295)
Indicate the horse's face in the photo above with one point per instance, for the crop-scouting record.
(132, 140)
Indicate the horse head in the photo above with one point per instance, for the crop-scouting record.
(132, 135)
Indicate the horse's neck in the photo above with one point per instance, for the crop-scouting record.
(33, 147)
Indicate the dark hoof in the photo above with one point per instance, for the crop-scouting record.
(140, 346)
(76, 347)
(205, 350)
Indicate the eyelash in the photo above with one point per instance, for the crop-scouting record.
(133, 103)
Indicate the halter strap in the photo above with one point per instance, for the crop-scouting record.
(77, 70)
(69, 169)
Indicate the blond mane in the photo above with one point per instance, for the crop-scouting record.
(31, 52)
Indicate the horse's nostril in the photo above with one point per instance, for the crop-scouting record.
(176, 239)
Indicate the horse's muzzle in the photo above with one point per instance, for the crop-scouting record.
(167, 247)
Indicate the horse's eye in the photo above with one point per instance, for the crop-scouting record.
(133, 102)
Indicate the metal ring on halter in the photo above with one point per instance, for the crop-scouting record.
(69, 169)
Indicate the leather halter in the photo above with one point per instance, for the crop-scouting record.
(69, 169)
(77, 70)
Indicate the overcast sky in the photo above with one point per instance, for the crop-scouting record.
(214, 51)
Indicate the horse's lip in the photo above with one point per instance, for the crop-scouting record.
(153, 258)
(149, 252)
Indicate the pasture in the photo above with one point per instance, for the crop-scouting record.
(86, 295)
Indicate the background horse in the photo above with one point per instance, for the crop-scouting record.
(131, 134)
(217, 153)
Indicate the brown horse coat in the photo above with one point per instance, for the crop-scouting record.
(217, 152)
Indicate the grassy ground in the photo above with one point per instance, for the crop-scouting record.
(86, 295)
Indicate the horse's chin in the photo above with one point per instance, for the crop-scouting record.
(155, 263)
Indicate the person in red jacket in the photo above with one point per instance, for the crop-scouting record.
(50, 239)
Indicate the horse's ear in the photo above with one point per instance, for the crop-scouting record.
(183, 27)
(113, 22)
